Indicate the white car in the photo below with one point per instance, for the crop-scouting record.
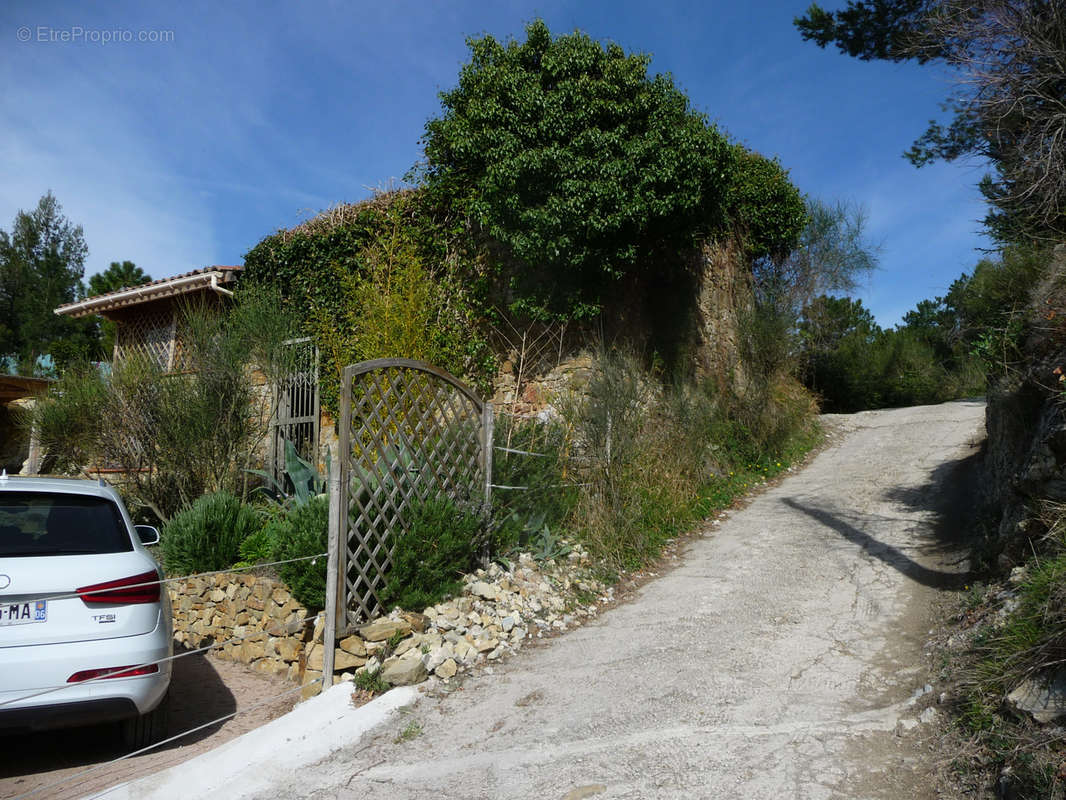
(85, 625)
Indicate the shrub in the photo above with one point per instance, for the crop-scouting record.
(258, 547)
(578, 163)
(430, 558)
(301, 533)
(176, 436)
(659, 459)
(70, 418)
(520, 516)
(387, 277)
(207, 535)
(766, 208)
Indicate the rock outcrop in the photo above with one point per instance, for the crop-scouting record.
(1025, 462)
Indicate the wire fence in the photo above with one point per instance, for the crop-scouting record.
(539, 487)
(328, 628)
(155, 746)
(161, 581)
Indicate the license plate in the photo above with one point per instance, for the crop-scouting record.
(23, 613)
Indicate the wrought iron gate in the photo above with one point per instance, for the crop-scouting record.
(296, 409)
(409, 432)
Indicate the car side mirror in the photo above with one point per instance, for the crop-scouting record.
(147, 534)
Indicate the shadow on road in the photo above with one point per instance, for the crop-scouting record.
(887, 553)
(948, 497)
(951, 494)
(197, 696)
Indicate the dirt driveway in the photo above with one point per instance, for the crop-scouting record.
(778, 659)
(202, 689)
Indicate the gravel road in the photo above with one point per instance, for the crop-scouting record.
(777, 659)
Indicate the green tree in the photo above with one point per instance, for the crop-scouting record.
(894, 30)
(840, 353)
(768, 212)
(827, 321)
(581, 166)
(1008, 103)
(830, 254)
(119, 275)
(42, 261)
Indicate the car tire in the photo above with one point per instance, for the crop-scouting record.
(146, 729)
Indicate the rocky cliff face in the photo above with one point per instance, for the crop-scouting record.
(1025, 465)
(544, 363)
(724, 295)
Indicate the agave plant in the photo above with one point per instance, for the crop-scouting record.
(299, 482)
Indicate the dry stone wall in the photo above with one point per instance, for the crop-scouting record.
(272, 630)
(497, 611)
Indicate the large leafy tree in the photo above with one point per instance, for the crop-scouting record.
(118, 275)
(838, 338)
(1009, 102)
(581, 167)
(42, 260)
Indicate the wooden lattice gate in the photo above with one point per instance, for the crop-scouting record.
(409, 432)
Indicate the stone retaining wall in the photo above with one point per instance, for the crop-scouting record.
(497, 610)
(221, 607)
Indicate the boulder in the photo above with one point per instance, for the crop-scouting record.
(342, 660)
(405, 670)
(289, 649)
(1043, 697)
(419, 622)
(446, 669)
(484, 590)
(353, 645)
(381, 629)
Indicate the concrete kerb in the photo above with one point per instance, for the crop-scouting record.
(248, 765)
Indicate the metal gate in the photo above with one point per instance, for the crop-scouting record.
(296, 409)
(409, 432)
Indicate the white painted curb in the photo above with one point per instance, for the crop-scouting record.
(252, 763)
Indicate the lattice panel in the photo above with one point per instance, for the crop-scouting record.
(411, 433)
(147, 335)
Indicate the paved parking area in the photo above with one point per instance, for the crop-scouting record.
(202, 689)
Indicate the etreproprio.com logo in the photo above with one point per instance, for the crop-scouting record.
(77, 34)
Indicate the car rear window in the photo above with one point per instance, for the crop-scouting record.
(45, 524)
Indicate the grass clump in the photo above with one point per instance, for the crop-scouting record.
(207, 535)
(660, 459)
(371, 681)
(440, 545)
(412, 730)
(532, 517)
(1025, 642)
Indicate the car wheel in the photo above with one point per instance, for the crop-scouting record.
(146, 729)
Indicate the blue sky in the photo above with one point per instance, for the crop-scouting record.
(235, 119)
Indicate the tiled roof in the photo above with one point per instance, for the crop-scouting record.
(198, 279)
(14, 387)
